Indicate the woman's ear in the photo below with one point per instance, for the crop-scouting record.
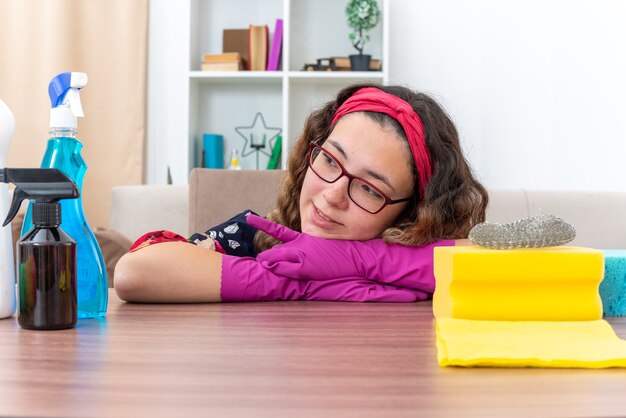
(409, 214)
(402, 219)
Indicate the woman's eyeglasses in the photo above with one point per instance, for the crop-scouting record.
(363, 193)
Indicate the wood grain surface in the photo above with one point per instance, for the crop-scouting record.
(276, 359)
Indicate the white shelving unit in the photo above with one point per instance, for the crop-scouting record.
(184, 102)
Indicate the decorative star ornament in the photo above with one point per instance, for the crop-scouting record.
(254, 134)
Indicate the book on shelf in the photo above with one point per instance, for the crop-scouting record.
(258, 47)
(343, 64)
(222, 62)
(237, 40)
(222, 66)
(224, 57)
(273, 63)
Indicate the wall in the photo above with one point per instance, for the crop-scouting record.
(536, 88)
(167, 102)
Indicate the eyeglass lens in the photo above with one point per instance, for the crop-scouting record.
(361, 193)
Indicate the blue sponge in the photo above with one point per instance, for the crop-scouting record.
(613, 287)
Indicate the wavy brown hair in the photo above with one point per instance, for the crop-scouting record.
(453, 202)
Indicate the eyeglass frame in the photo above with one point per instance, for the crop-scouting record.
(344, 172)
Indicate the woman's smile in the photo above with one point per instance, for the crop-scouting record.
(321, 220)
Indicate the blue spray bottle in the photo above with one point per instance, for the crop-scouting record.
(63, 152)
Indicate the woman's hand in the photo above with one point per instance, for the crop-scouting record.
(303, 256)
(207, 243)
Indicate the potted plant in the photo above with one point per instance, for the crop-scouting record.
(362, 15)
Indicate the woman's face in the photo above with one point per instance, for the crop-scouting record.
(367, 150)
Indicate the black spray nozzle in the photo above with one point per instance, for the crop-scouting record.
(42, 185)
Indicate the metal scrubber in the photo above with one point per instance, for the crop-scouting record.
(534, 232)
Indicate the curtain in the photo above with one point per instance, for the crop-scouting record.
(107, 39)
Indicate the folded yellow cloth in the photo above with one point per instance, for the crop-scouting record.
(579, 344)
(528, 284)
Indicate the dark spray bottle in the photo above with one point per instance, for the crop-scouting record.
(46, 255)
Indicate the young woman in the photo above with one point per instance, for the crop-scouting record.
(375, 181)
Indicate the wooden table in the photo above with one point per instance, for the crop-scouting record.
(276, 359)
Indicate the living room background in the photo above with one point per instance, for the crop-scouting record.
(536, 88)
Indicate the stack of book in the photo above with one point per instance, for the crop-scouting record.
(248, 49)
(228, 61)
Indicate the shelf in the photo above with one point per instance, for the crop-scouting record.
(192, 102)
(236, 77)
(235, 74)
(336, 74)
(343, 75)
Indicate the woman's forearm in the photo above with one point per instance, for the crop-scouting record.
(177, 272)
(170, 272)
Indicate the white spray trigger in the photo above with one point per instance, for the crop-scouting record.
(73, 98)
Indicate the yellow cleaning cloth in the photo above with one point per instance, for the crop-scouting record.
(528, 284)
(580, 344)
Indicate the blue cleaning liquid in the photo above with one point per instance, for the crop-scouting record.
(63, 152)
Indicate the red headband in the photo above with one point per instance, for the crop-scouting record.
(370, 99)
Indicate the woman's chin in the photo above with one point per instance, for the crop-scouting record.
(314, 231)
(321, 233)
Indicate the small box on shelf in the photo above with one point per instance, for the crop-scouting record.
(212, 151)
(338, 64)
(237, 40)
(343, 64)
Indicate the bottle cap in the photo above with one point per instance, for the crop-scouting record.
(65, 99)
(47, 214)
(41, 185)
(62, 117)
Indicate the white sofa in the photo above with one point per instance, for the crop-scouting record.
(138, 209)
(215, 195)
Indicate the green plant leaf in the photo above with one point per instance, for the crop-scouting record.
(363, 15)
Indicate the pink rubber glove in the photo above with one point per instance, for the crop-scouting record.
(307, 257)
(245, 280)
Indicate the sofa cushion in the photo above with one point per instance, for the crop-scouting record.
(217, 195)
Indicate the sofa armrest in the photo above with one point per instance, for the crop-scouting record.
(217, 195)
(597, 216)
(506, 205)
(138, 209)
